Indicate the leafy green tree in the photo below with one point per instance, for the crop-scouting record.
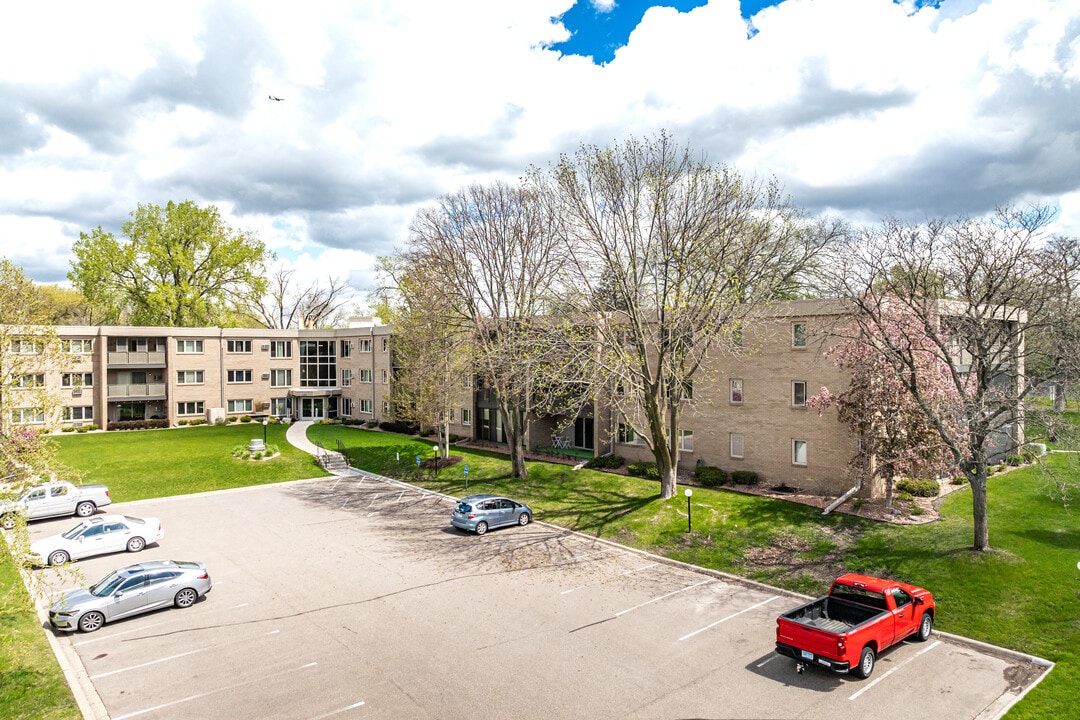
(67, 306)
(180, 266)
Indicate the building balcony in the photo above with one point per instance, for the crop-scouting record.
(141, 359)
(144, 391)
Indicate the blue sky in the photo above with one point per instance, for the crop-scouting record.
(860, 109)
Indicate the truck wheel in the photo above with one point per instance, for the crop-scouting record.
(85, 509)
(925, 626)
(8, 521)
(866, 663)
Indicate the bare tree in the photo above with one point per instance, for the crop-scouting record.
(287, 305)
(670, 253)
(497, 258)
(975, 288)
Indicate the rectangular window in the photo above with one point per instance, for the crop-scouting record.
(79, 412)
(736, 392)
(189, 346)
(798, 393)
(385, 344)
(76, 380)
(346, 406)
(346, 377)
(189, 408)
(466, 416)
(280, 378)
(366, 406)
(385, 376)
(345, 351)
(239, 376)
(385, 407)
(626, 435)
(238, 346)
(365, 344)
(281, 349)
(798, 335)
(279, 407)
(77, 346)
(28, 416)
(735, 442)
(239, 406)
(27, 346)
(798, 452)
(466, 381)
(189, 377)
(450, 415)
(686, 440)
(30, 381)
(365, 376)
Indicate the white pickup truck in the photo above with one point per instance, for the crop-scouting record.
(53, 499)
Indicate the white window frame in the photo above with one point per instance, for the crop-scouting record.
(799, 452)
(367, 406)
(365, 375)
(466, 416)
(346, 406)
(346, 377)
(385, 344)
(364, 344)
(77, 380)
(279, 406)
(243, 375)
(78, 346)
(794, 397)
(799, 335)
(25, 346)
(197, 377)
(686, 440)
(736, 385)
(281, 374)
(241, 405)
(30, 381)
(28, 416)
(189, 347)
(736, 445)
(238, 347)
(190, 407)
(281, 348)
(85, 412)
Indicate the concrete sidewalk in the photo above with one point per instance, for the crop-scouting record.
(297, 437)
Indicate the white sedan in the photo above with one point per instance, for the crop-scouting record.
(97, 536)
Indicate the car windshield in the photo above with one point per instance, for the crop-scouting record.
(73, 532)
(137, 521)
(108, 585)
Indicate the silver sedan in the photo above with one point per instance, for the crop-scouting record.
(97, 536)
(130, 591)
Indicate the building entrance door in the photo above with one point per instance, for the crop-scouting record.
(312, 408)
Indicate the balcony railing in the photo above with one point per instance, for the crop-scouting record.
(137, 358)
(137, 391)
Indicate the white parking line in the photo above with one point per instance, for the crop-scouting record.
(173, 657)
(260, 679)
(110, 636)
(235, 607)
(335, 712)
(882, 677)
(725, 619)
(657, 599)
(766, 662)
(628, 572)
(643, 567)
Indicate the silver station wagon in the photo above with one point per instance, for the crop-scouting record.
(480, 513)
(129, 591)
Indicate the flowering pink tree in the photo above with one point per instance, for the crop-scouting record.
(894, 408)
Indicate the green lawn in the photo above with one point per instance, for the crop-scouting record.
(1023, 595)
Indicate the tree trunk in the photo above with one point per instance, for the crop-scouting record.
(978, 507)
(516, 428)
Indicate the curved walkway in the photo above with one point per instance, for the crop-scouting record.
(297, 437)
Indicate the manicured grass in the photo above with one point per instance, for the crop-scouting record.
(31, 684)
(158, 463)
(1023, 595)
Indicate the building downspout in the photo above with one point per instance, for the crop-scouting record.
(843, 498)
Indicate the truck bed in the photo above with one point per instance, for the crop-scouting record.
(832, 615)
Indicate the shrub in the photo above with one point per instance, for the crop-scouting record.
(85, 428)
(231, 418)
(69, 428)
(643, 469)
(399, 427)
(744, 477)
(711, 476)
(134, 424)
(917, 510)
(1014, 461)
(960, 480)
(857, 503)
(426, 432)
(607, 462)
(198, 421)
(371, 423)
(919, 488)
(245, 418)
(904, 496)
(1029, 454)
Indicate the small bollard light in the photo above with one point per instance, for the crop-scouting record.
(689, 522)
(265, 423)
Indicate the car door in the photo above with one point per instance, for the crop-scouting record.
(903, 615)
(89, 543)
(114, 537)
(61, 500)
(129, 598)
(37, 503)
(163, 585)
(504, 512)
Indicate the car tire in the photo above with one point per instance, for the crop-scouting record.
(523, 519)
(59, 557)
(135, 544)
(8, 521)
(91, 621)
(926, 626)
(481, 527)
(85, 509)
(867, 658)
(185, 598)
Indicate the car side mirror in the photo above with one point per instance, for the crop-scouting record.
(118, 594)
(918, 601)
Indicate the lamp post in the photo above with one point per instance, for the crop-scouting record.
(265, 423)
(689, 521)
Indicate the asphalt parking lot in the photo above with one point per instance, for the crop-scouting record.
(350, 598)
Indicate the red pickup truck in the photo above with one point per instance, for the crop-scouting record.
(846, 629)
